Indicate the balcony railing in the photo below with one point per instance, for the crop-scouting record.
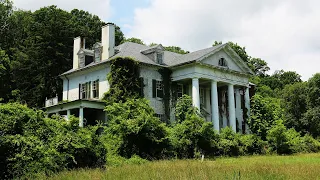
(51, 101)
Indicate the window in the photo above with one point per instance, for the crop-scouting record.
(84, 90)
(95, 89)
(88, 60)
(223, 62)
(159, 58)
(179, 90)
(157, 87)
(202, 98)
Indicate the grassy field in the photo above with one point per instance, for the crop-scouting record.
(303, 166)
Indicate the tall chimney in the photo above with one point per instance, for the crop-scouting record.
(108, 41)
(77, 43)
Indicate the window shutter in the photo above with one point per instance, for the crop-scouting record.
(141, 86)
(97, 88)
(154, 88)
(79, 91)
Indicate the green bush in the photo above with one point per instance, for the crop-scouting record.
(251, 144)
(229, 143)
(191, 135)
(31, 144)
(133, 129)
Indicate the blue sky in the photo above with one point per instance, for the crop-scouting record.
(123, 12)
(284, 33)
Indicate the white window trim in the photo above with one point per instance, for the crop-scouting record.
(158, 80)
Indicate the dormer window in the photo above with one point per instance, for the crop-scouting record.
(159, 58)
(223, 62)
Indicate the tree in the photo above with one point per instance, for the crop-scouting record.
(294, 103)
(133, 39)
(313, 91)
(175, 49)
(264, 113)
(257, 65)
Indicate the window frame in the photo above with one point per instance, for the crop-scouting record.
(179, 85)
(223, 62)
(95, 89)
(159, 60)
(159, 87)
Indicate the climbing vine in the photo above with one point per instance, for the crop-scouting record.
(124, 80)
(167, 94)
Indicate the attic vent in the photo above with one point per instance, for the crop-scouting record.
(223, 62)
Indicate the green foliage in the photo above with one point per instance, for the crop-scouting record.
(176, 49)
(31, 144)
(287, 141)
(294, 103)
(133, 129)
(311, 122)
(132, 39)
(183, 108)
(264, 113)
(313, 91)
(191, 134)
(39, 47)
(124, 80)
(167, 94)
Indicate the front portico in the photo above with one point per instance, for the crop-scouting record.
(221, 94)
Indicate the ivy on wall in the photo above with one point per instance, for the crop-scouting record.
(124, 80)
(167, 94)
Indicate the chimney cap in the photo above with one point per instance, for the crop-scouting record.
(108, 24)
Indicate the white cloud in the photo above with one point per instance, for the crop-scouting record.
(284, 33)
(101, 8)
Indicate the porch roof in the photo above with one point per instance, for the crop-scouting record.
(85, 103)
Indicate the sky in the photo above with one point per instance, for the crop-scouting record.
(286, 33)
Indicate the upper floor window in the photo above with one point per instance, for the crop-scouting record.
(157, 88)
(223, 62)
(95, 89)
(159, 58)
(84, 90)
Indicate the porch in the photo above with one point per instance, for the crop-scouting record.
(88, 111)
(221, 102)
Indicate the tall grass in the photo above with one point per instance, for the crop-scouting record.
(303, 166)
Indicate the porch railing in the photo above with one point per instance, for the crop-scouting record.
(51, 102)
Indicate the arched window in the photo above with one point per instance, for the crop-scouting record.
(223, 62)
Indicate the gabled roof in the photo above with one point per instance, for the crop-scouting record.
(170, 59)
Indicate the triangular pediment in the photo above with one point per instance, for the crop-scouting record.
(226, 58)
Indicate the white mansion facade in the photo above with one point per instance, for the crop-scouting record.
(216, 78)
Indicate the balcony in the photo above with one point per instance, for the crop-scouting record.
(51, 101)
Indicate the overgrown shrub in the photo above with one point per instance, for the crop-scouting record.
(190, 134)
(31, 144)
(133, 129)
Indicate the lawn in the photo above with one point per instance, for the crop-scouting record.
(302, 166)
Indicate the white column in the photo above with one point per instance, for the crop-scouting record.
(195, 93)
(232, 109)
(207, 101)
(239, 115)
(81, 116)
(68, 114)
(214, 106)
(247, 106)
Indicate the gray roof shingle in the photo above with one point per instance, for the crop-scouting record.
(133, 50)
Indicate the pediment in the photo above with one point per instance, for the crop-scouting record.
(231, 60)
